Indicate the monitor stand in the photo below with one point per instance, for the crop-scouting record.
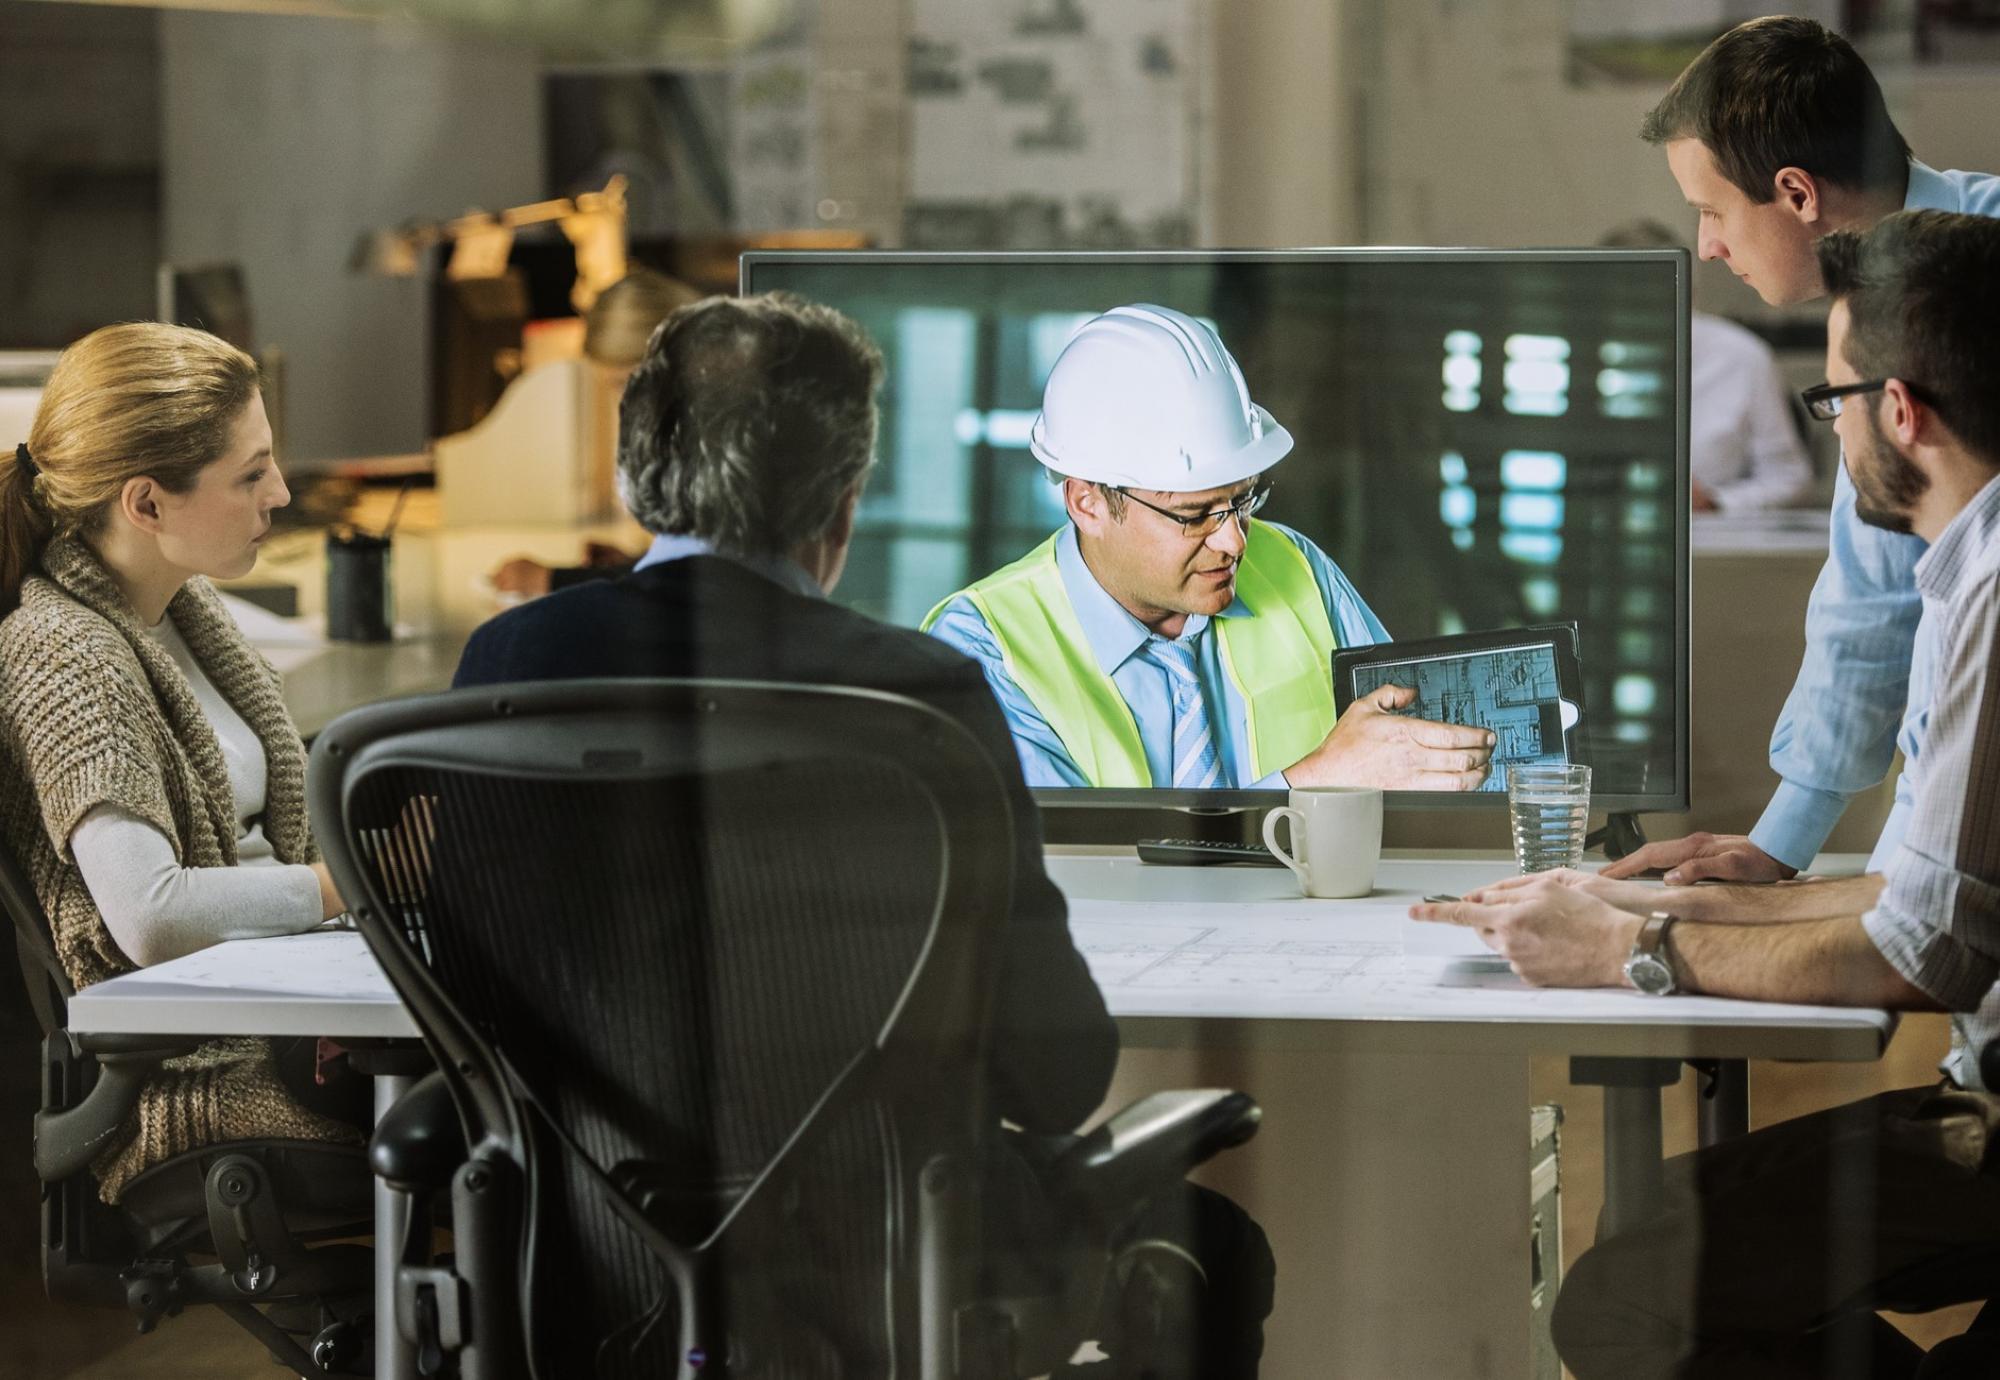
(1620, 835)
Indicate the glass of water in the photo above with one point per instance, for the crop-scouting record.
(1549, 803)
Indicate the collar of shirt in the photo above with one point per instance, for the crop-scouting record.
(1953, 555)
(1113, 633)
(1928, 190)
(780, 570)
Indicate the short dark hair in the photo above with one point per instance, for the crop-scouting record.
(1923, 305)
(1784, 92)
(747, 421)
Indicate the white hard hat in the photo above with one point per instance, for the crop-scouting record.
(1147, 397)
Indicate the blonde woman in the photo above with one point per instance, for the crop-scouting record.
(151, 780)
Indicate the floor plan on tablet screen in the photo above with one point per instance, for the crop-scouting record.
(1511, 690)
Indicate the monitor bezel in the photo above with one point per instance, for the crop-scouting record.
(1168, 798)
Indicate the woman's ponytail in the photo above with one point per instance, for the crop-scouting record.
(25, 527)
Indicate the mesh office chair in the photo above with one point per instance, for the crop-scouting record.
(258, 1207)
(707, 968)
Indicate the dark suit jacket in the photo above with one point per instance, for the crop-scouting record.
(1053, 1043)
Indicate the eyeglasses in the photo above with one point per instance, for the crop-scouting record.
(1205, 524)
(1823, 400)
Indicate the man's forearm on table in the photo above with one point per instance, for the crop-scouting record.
(1813, 962)
(1818, 898)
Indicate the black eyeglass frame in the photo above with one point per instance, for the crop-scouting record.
(1206, 525)
(1823, 400)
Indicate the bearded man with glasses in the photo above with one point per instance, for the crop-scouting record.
(1769, 1254)
(1162, 637)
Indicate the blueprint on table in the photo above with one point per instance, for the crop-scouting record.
(1173, 956)
(1353, 960)
(1511, 690)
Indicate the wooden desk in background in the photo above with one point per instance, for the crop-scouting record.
(438, 574)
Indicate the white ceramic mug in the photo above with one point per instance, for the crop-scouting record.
(1336, 839)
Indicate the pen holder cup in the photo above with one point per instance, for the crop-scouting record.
(358, 606)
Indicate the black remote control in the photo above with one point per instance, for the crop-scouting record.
(1202, 853)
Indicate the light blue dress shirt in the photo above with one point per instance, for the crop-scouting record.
(1117, 640)
(1870, 648)
(781, 570)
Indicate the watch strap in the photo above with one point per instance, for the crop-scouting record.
(1653, 934)
(1649, 951)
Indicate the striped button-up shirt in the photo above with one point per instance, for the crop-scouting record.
(1938, 920)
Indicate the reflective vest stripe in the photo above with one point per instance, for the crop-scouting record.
(1281, 660)
(1046, 652)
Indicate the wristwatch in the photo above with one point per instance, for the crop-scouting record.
(1649, 968)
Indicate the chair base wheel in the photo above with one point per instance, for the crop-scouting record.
(338, 1346)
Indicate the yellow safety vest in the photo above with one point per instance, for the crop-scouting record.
(1280, 659)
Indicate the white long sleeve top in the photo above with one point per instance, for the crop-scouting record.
(1743, 444)
(155, 908)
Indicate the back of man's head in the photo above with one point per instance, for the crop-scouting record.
(1784, 92)
(1922, 291)
(748, 421)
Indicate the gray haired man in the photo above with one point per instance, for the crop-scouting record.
(745, 437)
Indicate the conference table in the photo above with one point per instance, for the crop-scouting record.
(1392, 1169)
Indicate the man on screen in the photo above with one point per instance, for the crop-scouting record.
(1097, 643)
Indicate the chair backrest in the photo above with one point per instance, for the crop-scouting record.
(48, 985)
(729, 947)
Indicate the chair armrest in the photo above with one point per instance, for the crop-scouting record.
(1147, 1147)
(419, 1143)
(68, 1138)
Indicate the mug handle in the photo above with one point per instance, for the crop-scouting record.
(1271, 838)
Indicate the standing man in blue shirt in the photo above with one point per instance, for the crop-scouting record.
(1163, 638)
(1777, 134)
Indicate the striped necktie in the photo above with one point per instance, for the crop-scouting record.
(1193, 756)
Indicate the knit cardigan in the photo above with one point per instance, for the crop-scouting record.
(93, 711)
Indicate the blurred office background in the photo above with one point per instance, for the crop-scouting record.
(271, 134)
(265, 150)
(275, 155)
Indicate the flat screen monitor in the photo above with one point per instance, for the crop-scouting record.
(1483, 440)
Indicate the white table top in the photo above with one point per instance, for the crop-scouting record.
(1772, 532)
(1239, 953)
(1218, 956)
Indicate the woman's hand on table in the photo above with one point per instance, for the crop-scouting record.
(330, 903)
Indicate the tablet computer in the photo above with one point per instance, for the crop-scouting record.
(1525, 684)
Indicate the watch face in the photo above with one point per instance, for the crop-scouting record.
(1650, 975)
